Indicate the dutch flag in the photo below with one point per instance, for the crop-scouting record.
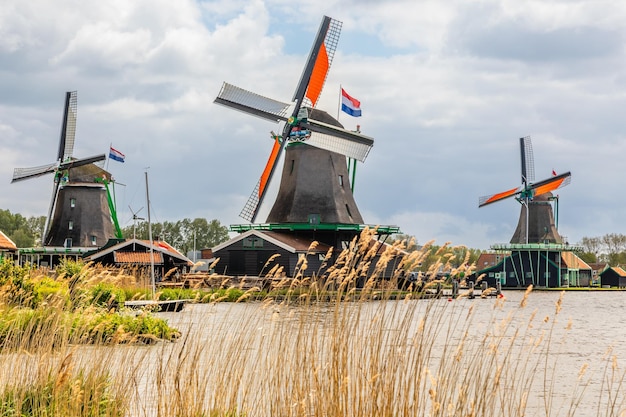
(116, 155)
(350, 105)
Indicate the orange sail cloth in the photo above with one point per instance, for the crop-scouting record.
(271, 161)
(550, 186)
(318, 76)
(500, 196)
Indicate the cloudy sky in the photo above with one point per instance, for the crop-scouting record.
(447, 89)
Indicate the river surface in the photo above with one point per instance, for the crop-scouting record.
(240, 348)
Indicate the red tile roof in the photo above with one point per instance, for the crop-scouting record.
(6, 243)
(137, 258)
(488, 259)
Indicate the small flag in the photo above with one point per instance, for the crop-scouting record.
(116, 155)
(350, 105)
(553, 173)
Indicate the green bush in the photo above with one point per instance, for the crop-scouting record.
(105, 295)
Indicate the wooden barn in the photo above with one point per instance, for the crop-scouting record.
(614, 276)
(248, 254)
(135, 253)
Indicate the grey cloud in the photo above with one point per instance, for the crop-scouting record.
(516, 41)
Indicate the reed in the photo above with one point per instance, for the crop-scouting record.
(360, 352)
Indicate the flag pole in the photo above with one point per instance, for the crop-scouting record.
(339, 103)
(108, 157)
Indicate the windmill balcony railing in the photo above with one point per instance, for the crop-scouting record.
(561, 247)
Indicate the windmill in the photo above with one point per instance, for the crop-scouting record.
(78, 213)
(536, 223)
(135, 218)
(314, 185)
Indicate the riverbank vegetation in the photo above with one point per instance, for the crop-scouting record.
(301, 355)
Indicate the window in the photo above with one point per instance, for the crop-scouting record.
(70, 225)
(314, 219)
(341, 180)
(511, 274)
(72, 202)
(252, 242)
(68, 243)
(348, 210)
(491, 275)
(94, 240)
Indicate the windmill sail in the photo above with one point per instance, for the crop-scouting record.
(252, 103)
(533, 190)
(309, 88)
(527, 160)
(320, 59)
(20, 174)
(492, 198)
(68, 128)
(334, 139)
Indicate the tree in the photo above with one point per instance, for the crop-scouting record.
(184, 235)
(23, 232)
(592, 246)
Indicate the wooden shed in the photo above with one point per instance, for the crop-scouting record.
(614, 276)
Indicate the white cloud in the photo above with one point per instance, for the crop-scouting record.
(443, 94)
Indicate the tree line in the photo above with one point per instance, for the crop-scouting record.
(184, 234)
(610, 248)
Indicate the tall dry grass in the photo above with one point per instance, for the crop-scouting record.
(361, 352)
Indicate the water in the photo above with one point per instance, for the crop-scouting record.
(239, 351)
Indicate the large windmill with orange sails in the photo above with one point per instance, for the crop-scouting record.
(314, 184)
(314, 201)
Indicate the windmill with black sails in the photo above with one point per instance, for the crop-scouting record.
(79, 210)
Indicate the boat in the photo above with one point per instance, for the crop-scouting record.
(160, 306)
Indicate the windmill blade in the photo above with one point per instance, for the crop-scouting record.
(528, 162)
(335, 139)
(551, 184)
(252, 103)
(320, 59)
(68, 128)
(489, 199)
(51, 209)
(20, 174)
(74, 163)
(250, 209)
